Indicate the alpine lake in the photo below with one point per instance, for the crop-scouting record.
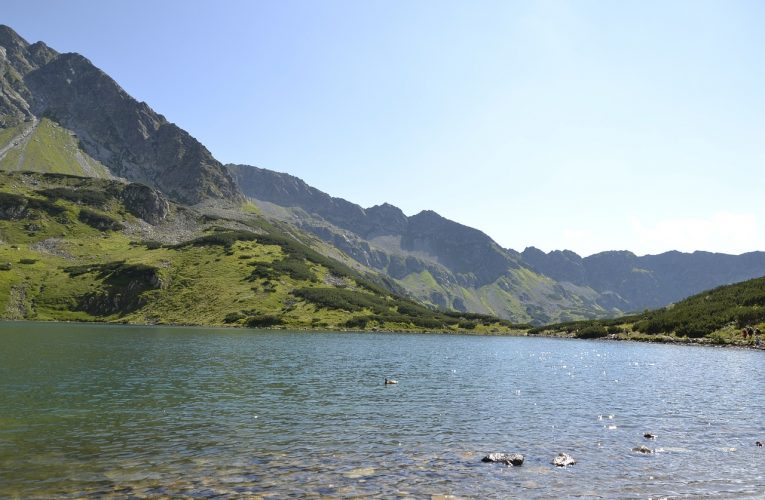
(91, 410)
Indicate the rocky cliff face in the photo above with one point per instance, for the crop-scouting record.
(436, 260)
(124, 135)
(461, 249)
(649, 281)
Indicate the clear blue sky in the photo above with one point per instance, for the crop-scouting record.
(586, 125)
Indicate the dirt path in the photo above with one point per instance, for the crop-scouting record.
(20, 141)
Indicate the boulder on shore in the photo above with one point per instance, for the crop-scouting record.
(514, 459)
(563, 460)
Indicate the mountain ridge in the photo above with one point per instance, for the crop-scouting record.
(114, 129)
(648, 281)
(438, 261)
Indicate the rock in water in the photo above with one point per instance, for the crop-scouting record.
(514, 459)
(758, 443)
(642, 449)
(563, 460)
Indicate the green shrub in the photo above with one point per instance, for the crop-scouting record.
(151, 244)
(342, 299)
(358, 322)
(224, 238)
(592, 332)
(263, 320)
(82, 196)
(233, 317)
(294, 267)
(99, 221)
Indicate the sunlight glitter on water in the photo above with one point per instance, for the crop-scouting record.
(95, 411)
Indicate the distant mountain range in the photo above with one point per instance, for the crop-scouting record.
(61, 114)
(650, 281)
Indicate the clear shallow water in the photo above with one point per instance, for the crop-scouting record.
(108, 410)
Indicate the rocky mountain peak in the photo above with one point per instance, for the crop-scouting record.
(10, 39)
(124, 135)
(385, 219)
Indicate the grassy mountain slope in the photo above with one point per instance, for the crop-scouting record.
(44, 146)
(89, 249)
(714, 316)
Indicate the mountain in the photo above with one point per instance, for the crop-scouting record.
(435, 260)
(714, 316)
(75, 248)
(650, 281)
(60, 113)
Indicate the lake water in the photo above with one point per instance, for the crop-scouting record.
(92, 410)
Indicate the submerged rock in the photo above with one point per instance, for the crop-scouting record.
(514, 459)
(563, 460)
(642, 449)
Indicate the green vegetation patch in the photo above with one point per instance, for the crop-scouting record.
(91, 197)
(341, 298)
(51, 148)
(220, 237)
(741, 304)
(16, 206)
(124, 285)
(291, 266)
(99, 221)
(715, 316)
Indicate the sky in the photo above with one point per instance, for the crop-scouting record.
(581, 125)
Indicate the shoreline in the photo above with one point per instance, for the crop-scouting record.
(660, 339)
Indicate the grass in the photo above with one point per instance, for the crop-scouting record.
(250, 208)
(50, 148)
(222, 276)
(7, 134)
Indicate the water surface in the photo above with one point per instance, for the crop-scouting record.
(93, 410)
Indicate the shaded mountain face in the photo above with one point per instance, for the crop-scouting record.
(435, 260)
(111, 130)
(461, 249)
(650, 281)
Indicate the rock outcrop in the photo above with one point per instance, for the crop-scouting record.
(145, 202)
